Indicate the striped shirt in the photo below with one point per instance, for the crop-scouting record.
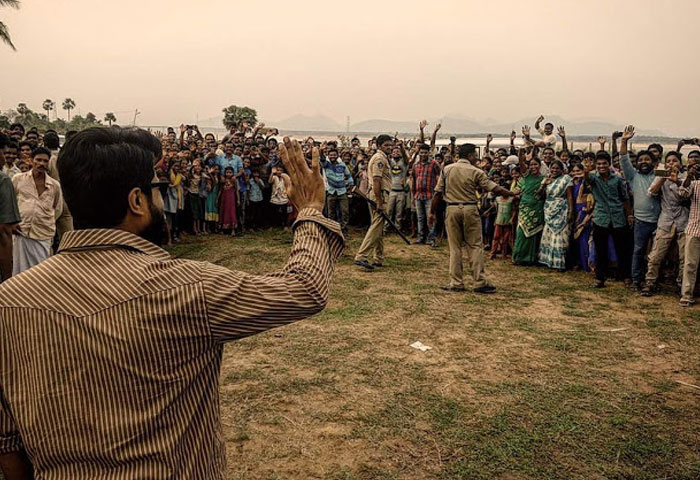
(692, 191)
(110, 350)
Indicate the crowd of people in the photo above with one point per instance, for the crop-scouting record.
(616, 213)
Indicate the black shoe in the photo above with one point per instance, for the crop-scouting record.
(635, 287)
(419, 242)
(433, 244)
(377, 265)
(364, 264)
(599, 284)
(452, 288)
(485, 289)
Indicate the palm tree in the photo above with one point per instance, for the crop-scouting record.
(68, 104)
(4, 33)
(48, 105)
(109, 117)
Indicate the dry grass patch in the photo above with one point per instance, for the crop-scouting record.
(545, 379)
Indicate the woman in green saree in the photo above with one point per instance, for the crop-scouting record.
(530, 214)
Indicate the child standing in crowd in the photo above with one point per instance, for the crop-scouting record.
(487, 210)
(229, 199)
(279, 199)
(583, 214)
(243, 180)
(255, 198)
(211, 210)
(503, 233)
(195, 201)
(174, 202)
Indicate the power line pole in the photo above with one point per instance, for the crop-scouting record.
(136, 112)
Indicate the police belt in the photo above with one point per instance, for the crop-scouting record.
(460, 204)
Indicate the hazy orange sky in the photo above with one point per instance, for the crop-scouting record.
(633, 61)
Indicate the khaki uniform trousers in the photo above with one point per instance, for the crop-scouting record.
(463, 225)
(690, 268)
(373, 243)
(662, 242)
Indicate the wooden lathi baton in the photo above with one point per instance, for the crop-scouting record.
(373, 204)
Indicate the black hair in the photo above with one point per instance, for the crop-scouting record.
(466, 149)
(25, 143)
(41, 151)
(589, 155)
(424, 146)
(4, 140)
(51, 140)
(603, 155)
(693, 152)
(674, 154)
(381, 139)
(17, 124)
(70, 133)
(550, 124)
(98, 168)
(574, 159)
(33, 132)
(577, 165)
(656, 146)
(547, 148)
(331, 150)
(560, 163)
(648, 154)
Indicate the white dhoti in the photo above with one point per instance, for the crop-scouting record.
(27, 252)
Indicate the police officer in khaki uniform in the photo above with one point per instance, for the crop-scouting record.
(458, 184)
(379, 172)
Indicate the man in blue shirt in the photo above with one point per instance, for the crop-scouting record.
(646, 206)
(338, 178)
(230, 160)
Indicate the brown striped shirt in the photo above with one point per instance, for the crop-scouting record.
(110, 350)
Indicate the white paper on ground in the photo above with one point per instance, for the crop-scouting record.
(420, 346)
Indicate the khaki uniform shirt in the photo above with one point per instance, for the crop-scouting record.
(458, 182)
(110, 350)
(379, 167)
(39, 212)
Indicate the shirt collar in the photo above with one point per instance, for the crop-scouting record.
(98, 237)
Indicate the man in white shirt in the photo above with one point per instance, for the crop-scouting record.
(40, 205)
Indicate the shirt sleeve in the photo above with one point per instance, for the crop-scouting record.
(58, 203)
(484, 181)
(376, 168)
(440, 186)
(240, 304)
(9, 211)
(10, 441)
(627, 167)
(348, 177)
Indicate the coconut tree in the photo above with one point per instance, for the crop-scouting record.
(109, 118)
(4, 33)
(68, 105)
(48, 105)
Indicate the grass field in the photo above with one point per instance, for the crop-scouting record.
(547, 379)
